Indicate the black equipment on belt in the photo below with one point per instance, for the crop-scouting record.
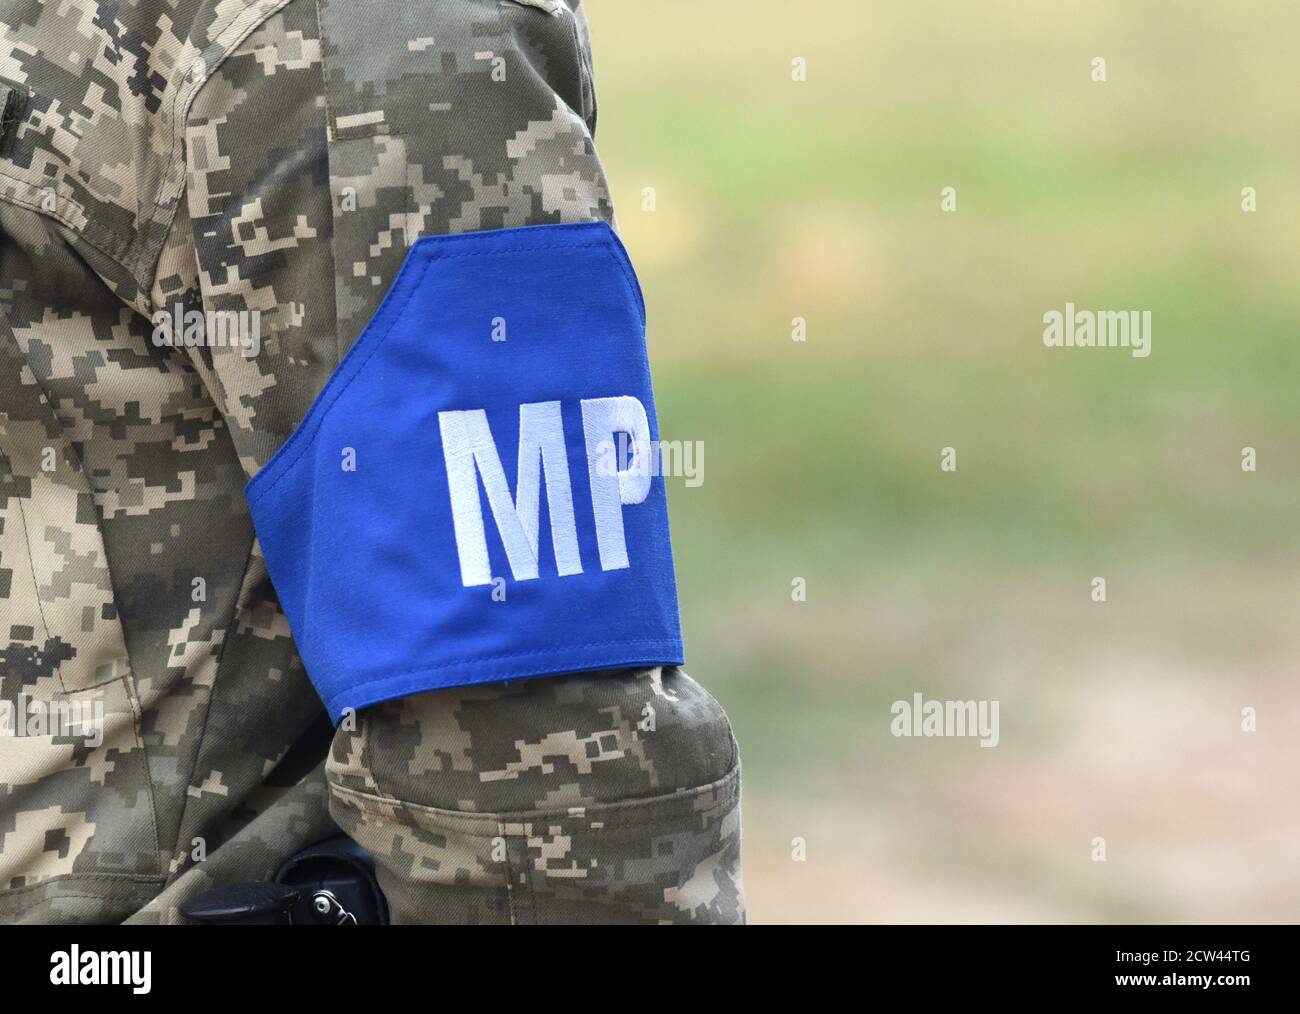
(332, 883)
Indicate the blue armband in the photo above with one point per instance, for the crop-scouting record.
(475, 494)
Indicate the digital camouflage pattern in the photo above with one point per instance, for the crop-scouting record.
(281, 156)
(621, 805)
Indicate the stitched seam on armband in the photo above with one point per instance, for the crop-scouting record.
(553, 649)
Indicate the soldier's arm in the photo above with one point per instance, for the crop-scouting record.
(317, 153)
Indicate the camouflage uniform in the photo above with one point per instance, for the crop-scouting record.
(282, 156)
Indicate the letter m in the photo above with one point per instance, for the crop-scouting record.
(470, 453)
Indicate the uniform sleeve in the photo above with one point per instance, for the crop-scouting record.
(321, 161)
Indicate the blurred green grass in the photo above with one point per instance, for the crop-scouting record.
(821, 199)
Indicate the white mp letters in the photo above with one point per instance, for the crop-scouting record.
(470, 453)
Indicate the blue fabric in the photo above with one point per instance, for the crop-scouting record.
(375, 576)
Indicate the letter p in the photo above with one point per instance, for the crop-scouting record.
(602, 420)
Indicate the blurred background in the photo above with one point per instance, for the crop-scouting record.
(776, 199)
